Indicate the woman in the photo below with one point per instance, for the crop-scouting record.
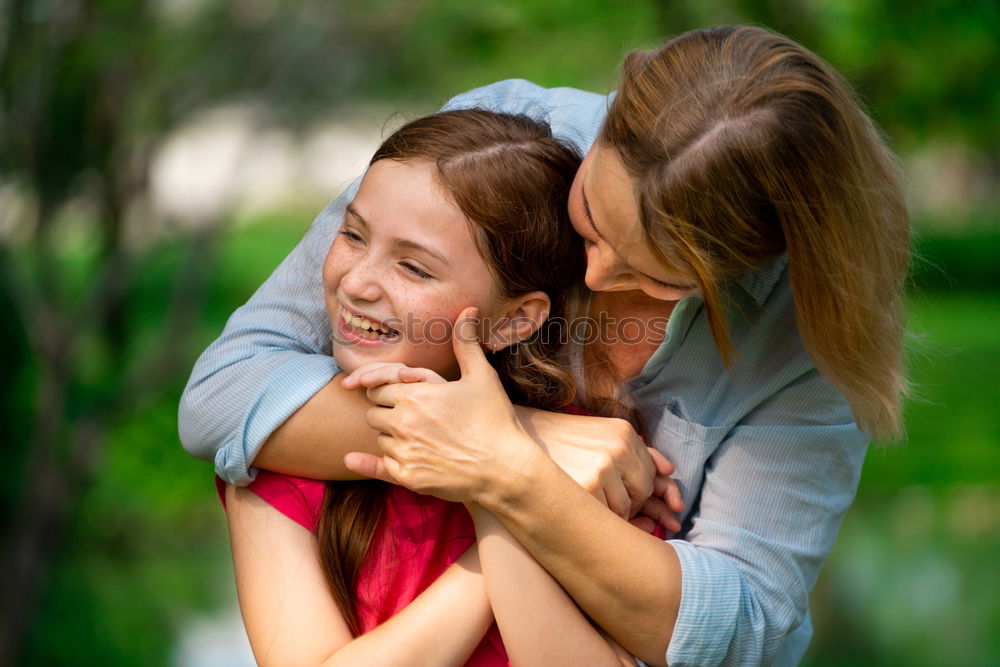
(737, 188)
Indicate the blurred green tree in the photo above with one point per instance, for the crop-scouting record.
(88, 88)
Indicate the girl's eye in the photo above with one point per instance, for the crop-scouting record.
(416, 270)
(351, 235)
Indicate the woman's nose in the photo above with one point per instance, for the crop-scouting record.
(605, 271)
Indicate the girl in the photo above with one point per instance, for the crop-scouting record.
(456, 209)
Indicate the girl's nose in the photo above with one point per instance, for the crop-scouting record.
(361, 283)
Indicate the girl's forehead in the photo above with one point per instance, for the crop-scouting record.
(405, 201)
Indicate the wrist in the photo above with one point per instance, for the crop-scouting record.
(525, 466)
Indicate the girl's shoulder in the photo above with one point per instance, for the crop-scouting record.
(298, 498)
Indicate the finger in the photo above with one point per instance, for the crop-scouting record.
(368, 465)
(465, 342)
(639, 475)
(380, 418)
(643, 523)
(639, 486)
(660, 462)
(387, 394)
(351, 380)
(388, 374)
(407, 374)
(618, 500)
(673, 497)
(658, 511)
(660, 486)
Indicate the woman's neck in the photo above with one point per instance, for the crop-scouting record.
(632, 326)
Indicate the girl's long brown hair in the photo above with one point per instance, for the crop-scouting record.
(511, 178)
(742, 145)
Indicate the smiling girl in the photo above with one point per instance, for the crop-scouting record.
(458, 209)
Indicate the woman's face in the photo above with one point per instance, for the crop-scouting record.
(401, 269)
(604, 211)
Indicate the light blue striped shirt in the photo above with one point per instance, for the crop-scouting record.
(767, 454)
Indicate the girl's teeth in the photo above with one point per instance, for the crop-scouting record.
(364, 326)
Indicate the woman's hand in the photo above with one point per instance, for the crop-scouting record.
(611, 461)
(379, 373)
(455, 440)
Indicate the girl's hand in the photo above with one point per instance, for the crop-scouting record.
(606, 457)
(379, 373)
(665, 504)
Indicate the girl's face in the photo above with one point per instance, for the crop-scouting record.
(604, 211)
(401, 269)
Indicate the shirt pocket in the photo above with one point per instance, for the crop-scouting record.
(688, 445)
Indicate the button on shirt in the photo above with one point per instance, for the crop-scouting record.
(767, 454)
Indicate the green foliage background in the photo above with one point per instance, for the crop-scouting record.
(142, 549)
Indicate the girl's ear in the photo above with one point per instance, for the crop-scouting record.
(521, 318)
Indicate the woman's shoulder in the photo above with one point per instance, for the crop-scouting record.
(574, 115)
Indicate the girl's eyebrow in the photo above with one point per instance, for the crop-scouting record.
(401, 243)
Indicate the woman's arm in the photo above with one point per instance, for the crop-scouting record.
(312, 442)
(606, 456)
(773, 490)
(540, 624)
(291, 618)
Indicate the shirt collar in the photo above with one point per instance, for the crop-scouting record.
(760, 282)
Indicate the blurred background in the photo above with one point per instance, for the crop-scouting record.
(158, 158)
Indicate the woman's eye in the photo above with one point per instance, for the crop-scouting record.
(687, 289)
(351, 235)
(416, 270)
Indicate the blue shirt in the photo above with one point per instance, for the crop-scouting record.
(767, 453)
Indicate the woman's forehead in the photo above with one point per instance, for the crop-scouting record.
(610, 198)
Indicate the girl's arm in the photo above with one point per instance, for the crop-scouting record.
(540, 624)
(291, 618)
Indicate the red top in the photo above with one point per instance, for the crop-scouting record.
(417, 539)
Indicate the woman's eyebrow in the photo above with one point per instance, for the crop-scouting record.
(401, 243)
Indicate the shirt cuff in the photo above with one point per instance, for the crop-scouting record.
(711, 594)
(289, 387)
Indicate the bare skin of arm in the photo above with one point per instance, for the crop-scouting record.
(539, 622)
(574, 537)
(291, 618)
(313, 440)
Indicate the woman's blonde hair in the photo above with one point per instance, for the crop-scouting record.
(743, 145)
